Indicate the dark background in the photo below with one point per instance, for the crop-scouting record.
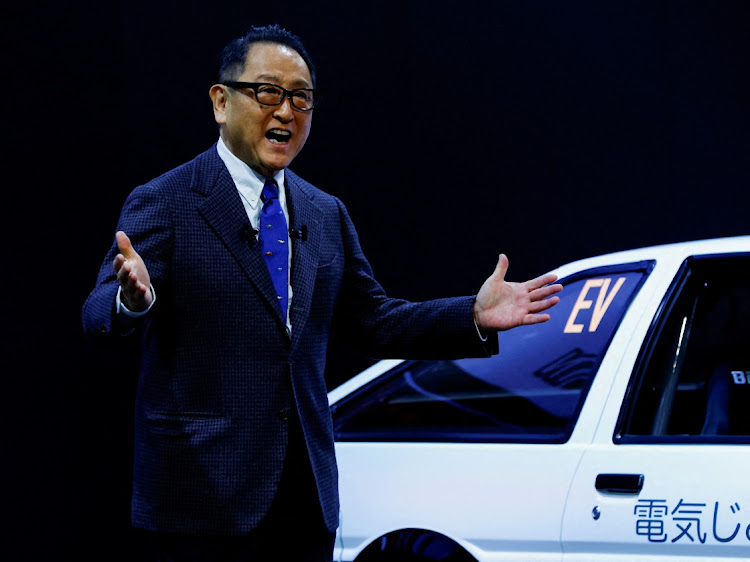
(547, 130)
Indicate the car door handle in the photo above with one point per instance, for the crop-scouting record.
(619, 483)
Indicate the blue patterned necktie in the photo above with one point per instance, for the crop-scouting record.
(274, 239)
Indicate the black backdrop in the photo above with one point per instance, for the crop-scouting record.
(547, 130)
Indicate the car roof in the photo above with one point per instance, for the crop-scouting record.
(677, 251)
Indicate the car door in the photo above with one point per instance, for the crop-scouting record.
(668, 474)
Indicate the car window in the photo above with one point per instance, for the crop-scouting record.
(692, 382)
(531, 391)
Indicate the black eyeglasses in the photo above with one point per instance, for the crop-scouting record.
(303, 99)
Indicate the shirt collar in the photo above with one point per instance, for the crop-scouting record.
(248, 181)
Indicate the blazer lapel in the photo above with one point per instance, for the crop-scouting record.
(303, 216)
(223, 211)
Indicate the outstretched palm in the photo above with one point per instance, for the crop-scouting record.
(502, 305)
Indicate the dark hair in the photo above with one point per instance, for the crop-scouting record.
(234, 55)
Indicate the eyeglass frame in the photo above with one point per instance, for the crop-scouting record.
(285, 93)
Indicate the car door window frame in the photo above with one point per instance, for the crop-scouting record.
(663, 318)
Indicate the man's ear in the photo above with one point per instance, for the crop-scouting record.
(219, 97)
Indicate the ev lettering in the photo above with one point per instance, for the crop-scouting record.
(741, 377)
(603, 300)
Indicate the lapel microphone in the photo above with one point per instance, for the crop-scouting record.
(249, 235)
(299, 233)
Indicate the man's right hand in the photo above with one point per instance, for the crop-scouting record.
(132, 276)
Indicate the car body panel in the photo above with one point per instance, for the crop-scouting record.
(536, 501)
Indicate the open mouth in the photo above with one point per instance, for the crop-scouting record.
(277, 136)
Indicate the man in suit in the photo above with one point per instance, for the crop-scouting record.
(234, 456)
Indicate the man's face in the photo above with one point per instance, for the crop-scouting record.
(266, 138)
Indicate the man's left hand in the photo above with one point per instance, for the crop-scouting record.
(501, 305)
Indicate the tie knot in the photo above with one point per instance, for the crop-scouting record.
(270, 191)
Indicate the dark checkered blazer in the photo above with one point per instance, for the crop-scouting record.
(217, 364)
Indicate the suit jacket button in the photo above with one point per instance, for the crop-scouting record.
(284, 414)
(102, 329)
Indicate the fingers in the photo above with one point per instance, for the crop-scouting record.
(502, 266)
(535, 319)
(132, 275)
(125, 275)
(541, 281)
(542, 305)
(542, 299)
(118, 263)
(132, 287)
(126, 253)
(124, 245)
(136, 295)
(123, 269)
(544, 292)
(126, 263)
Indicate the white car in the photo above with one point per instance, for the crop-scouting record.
(618, 430)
